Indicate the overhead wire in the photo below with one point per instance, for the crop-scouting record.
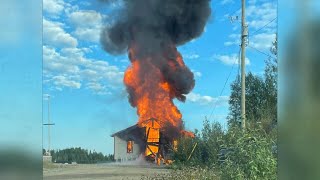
(262, 52)
(225, 83)
(235, 62)
(264, 26)
(215, 104)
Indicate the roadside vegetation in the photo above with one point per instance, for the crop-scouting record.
(233, 153)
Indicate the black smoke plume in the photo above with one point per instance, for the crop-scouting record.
(155, 28)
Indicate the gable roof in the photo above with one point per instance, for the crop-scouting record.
(125, 131)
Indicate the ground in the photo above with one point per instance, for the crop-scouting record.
(112, 171)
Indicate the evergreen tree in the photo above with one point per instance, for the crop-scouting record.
(81, 156)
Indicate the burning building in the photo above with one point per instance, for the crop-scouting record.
(150, 31)
(128, 143)
(155, 143)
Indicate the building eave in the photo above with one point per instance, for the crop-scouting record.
(125, 130)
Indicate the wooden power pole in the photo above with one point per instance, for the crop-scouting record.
(244, 35)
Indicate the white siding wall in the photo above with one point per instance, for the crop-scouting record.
(120, 150)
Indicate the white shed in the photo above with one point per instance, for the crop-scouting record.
(128, 143)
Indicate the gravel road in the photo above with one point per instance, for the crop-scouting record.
(101, 171)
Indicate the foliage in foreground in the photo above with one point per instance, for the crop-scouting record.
(187, 173)
(250, 153)
(252, 156)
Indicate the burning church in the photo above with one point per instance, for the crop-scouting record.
(150, 31)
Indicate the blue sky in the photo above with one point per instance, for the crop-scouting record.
(88, 99)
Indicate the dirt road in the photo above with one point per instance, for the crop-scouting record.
(101, 171)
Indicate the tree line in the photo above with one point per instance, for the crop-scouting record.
(78, 155)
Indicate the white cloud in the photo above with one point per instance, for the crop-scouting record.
(196, 73)
(88, 34)
(95, 86)
(224, 2)
(88, 25)
(65, 64)
(235, 40)
(235, 28)
(86, 18)
(191, 56)
(53, 6)
(54, 62)
(63, 81)
(70, 68)
(54, 35)
(229, 59)
(98, 88)
(234, 36)
(230, 43)
(262, 41)
(207, 100)
(260, 16)
(252, 1)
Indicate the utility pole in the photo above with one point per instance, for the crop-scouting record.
(244, 35)
(49, 124)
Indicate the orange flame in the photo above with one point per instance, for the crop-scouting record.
(153, 137)
(153, 95)
(187, 133)
(129, 146)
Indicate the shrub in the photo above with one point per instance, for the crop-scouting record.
(187, 173)
(251, 157)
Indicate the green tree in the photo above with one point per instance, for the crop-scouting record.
(81, 156)
(271, 77)
(255, 100)
(261, 96)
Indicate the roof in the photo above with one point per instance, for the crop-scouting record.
(125, 130)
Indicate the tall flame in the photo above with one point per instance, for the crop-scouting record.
(150, 91)
(150, 31)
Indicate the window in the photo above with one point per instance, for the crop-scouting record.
(129, 146)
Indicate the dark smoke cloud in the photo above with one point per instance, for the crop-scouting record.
(152, 22)
(154, 28)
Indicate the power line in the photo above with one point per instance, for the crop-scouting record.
(225, 10)
(264, 26)
(231, 14)
(215, 104)
(234, 11)
(262, 52)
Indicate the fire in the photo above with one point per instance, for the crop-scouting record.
(175, 145)
(153, 137)
(157, 74)
(151, 90)
(187, 133)
(152, 93)
(129, 146)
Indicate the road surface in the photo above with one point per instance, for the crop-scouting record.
(101, 171)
